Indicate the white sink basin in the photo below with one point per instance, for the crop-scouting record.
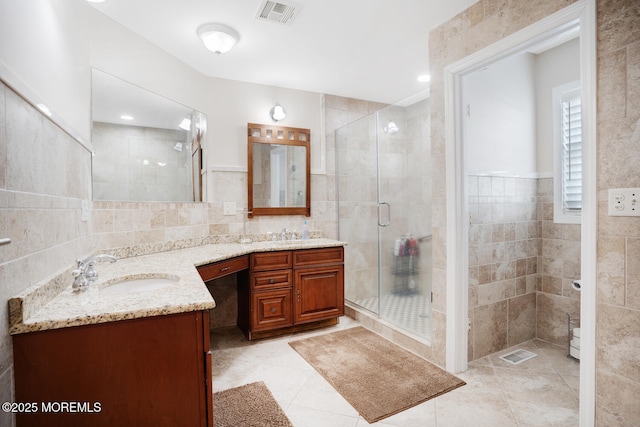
(139, 285)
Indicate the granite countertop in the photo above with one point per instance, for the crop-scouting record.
(68, 308)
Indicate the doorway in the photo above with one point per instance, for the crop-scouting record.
(581, 13)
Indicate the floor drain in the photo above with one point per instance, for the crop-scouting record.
(518, 356)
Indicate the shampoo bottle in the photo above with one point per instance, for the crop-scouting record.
(305, 231)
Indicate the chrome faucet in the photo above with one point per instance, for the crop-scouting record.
(86, 273)
(283, 235)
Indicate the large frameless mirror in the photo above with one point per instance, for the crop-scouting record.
(145, 147)
(278, 171)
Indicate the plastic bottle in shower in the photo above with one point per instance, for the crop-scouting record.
(305, 231)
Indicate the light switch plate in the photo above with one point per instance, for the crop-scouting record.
(624, 202)
(229, 208)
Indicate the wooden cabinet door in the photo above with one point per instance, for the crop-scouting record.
(318, 293)
(148, 371)
(271, 309)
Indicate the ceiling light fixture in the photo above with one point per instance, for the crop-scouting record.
(217, 38)
(424, 78)
(126, 117)
(277, 113)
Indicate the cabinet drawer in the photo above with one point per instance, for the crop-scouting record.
(223, 268)
(271, 279)
(308, 257)
(271, 309)
(271, 261)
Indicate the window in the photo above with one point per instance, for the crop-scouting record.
(568, 153)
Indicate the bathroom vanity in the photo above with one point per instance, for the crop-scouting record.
(285, 291)
(112, 374)
(134, 356)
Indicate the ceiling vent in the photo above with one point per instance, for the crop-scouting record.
(277, 11)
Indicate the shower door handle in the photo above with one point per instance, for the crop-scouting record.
(388, 219)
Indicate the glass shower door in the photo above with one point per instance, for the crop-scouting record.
(404, 189)
(356, 166)
(384, 193)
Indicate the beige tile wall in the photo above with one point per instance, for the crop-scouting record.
(503, 262)
(44, 175)
(559, 266)
(618, 312)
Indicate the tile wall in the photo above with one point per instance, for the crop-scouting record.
(503, 262)
(44, 176)
(521, 265)
(618, 311)
(558, 266)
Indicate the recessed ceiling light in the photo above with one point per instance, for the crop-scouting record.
(126, 117)
(96, 1)
(424, 78)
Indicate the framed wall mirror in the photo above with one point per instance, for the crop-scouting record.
(278, 170)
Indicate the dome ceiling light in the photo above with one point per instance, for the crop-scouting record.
(218, 38)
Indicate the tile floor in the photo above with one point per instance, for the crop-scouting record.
(542, 391)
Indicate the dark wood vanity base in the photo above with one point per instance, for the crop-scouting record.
(282, 292)
(147, 371)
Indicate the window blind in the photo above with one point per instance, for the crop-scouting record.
(571, 152)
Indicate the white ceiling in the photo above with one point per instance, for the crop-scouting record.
(365, 49)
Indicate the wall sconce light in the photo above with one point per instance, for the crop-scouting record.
(277, 113)
(217, 38)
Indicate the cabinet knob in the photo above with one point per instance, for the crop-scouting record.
(271, 281)
(272, 309)
(225, 269)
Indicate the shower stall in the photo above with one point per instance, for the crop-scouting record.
(383, 163)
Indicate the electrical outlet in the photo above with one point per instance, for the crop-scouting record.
(84, 211)
(624, 202)
(229, 208)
